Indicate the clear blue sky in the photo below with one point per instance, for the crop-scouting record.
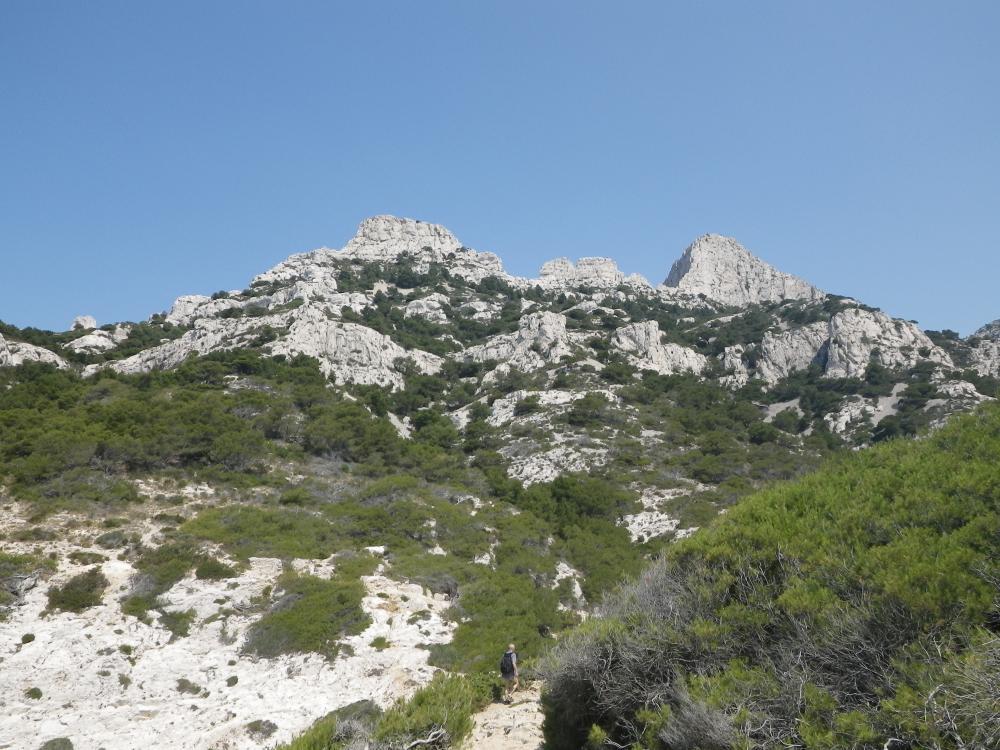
(149, 150)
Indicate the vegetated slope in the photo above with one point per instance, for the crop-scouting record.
(379, 461)
(857, 604)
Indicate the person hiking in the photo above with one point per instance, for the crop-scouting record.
(509, 673)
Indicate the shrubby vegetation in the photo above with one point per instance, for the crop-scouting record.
(440, 713)
(311, 614)
(79, 592)
(855, 604)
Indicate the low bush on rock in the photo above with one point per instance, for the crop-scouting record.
(311, 614)
(80, 592)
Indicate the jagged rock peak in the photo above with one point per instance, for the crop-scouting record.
(384, 238)
(725, 271)
(594, 272)
(989, 331)
(86, 322)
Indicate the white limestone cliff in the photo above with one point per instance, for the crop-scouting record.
(858, 336)
(642, 342)
(725, 271)
(782, 353)
(86, 322)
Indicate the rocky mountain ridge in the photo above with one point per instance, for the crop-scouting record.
(316, 303)
(403, 425)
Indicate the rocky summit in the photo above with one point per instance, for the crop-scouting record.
(288, 508)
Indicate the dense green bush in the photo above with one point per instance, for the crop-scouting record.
(79, 592)
(310, 614)
(836, 611)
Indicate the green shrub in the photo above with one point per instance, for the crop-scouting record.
(211, 569)
(80, 592)
(311, 614)
(86, 558)
(185, 685)
(33, 693)
(447, 702)
(809, 610)
(178, 623)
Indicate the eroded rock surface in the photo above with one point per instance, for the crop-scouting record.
(725, 271)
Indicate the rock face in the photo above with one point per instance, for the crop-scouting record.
(352, 353)
(540, 338)
(382, 239)
(989, 331)
(430, 307)
(726, 272)
(85, 322)
(986, 358)
(858, 336)
(14, 353)
(783, 353)
(642, 342)
(599, 273)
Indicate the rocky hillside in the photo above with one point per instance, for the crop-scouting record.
(382, 461)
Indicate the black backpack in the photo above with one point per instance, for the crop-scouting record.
(507, 664)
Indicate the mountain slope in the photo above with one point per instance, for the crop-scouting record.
(847, 608)
(379, 462)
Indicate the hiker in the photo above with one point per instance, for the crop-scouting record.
(509, 673)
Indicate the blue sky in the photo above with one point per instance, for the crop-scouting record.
(149, 150)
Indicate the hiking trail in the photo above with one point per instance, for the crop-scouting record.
(517, 726)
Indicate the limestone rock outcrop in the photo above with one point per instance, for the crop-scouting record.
(541, 338)
(382, 239)
(430, 307)
(642, 342)
(599, 273)
(86, 322)
(725, 271)
(14, 353)
(95, 341)
(350, 352)
(784, 352)
(989, 331)
(858, 336)
(986, 358)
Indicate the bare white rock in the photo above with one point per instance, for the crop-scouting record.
(857, 336)
(430, 307)
(642, 342)
(352, 353)
(85, 322)
(989, 331)
(600, 273)
(986, 358)
(787, 351)
(75, 659)
(725, 271)
(381, 239)
(14, 353)
(95, 341)
(541, 338)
